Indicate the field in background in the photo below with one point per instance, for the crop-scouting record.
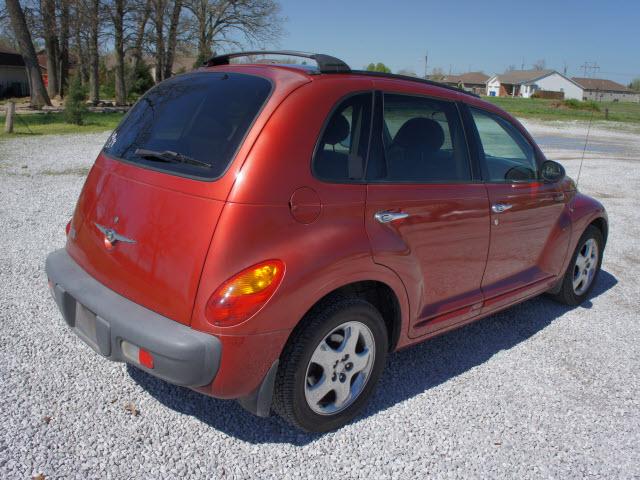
(534, 108)
(53, 123)
(554, 110)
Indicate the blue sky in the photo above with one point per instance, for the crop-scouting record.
(471, 34)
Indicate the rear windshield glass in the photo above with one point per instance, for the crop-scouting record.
(190, 125)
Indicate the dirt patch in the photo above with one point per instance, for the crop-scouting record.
(79, 171)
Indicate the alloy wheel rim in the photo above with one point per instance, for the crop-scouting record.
(585, 267)
(339, 368)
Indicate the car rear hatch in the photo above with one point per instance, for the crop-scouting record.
(144, 221)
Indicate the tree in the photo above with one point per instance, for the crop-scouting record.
(48, 14)
(172, 40)
(540, 64)
(141, 80)
(635, 84)
(158, 14)
(74, 104)
(93, 20)
(437, 74)
(78, 15)
(64, 47)
(39, 95)
(378, 67)
(141, 17)
(165, 12)
(117, 14)
(214, 23)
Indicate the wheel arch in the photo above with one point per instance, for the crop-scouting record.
(601, 224)
(379, 293)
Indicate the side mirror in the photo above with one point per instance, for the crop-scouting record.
(552, 172)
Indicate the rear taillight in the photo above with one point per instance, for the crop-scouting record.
(244, 294)
(67, 229)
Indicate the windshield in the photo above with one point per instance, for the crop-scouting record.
(202, 116)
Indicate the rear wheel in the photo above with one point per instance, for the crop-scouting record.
(330, 367)
(580, 277)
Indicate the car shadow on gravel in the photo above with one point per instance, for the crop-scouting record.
(408, 373)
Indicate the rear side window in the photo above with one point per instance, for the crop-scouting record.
(190, 125)
(423, 141)
(342, 149)
(508, 156)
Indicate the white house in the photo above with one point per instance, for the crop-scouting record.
(524, 83)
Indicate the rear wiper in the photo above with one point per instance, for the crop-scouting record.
(169, 157)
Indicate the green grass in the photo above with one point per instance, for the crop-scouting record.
(53, 123)
(568, 110)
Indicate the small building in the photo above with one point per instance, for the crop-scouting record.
(602, 90)
(525, 83)
(14, 81)
(474, 82)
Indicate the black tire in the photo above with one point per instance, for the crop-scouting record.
(289, 396)
(566, 293)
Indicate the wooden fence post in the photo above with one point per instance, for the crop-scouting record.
(8, 122)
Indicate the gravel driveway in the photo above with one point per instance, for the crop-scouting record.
(540, 390)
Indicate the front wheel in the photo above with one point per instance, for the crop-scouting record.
(580, 277)
(331, 365)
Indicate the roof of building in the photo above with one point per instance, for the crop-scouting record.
(9, 57)
(601, 84)
(469, 78)
(520, 77)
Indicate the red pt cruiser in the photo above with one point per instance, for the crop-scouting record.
(269, 233)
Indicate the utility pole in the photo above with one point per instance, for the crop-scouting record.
(426, 64)
(590, 68)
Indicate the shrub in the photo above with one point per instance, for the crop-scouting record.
(75, 107)
(580, 105)
(140, 81)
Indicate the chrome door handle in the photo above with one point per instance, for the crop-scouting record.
(500, 207)
(386, 217)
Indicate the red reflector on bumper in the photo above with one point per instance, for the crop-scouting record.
(145, 358)
(138, 355)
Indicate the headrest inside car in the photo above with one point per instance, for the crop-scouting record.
(420, 132)
(337, 130)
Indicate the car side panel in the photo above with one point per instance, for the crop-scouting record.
(257, 224)
(319, 258)
(528, 241)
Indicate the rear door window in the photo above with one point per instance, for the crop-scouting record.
(190, 125)
(422, 142)
(342, 149)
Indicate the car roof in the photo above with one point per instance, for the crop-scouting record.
(328, 66)
(325, 64)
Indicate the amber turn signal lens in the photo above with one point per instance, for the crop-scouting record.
(244, 294)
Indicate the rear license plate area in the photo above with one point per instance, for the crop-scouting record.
(85, 326)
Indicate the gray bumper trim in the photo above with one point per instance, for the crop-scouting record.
(102, 319)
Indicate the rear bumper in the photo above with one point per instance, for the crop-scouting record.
(104, 319)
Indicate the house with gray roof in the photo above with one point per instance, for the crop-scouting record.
(475, 82)
(602, 90)
(524, 83)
